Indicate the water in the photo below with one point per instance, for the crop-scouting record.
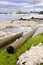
(11, 16)
(18, 16)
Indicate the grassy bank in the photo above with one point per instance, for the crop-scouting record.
(10, 59)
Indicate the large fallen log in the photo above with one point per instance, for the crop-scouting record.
(15, 45)
(10, 38)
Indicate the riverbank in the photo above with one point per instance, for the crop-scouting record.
(25, 25)
(11, 59)
(17, 23)
(9, 27)
(14, 24)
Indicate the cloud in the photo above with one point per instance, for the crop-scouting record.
(10, 3)
(39, 4)
(4, 2)
(26, 5)
(22, 2)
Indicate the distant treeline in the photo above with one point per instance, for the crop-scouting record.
(21, 12)
(5, 13)
(41, 12)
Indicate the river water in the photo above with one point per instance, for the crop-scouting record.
(18, 16)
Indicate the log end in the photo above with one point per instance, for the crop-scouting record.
(10, 49)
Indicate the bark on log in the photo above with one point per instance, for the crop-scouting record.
(15, 45)
(10, 39)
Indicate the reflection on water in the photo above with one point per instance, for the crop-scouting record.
(17, 16)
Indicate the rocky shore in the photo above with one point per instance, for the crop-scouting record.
(34, 56)
(9, 27)
(17, 23)
(14, 26)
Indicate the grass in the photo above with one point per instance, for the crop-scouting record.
(41, 64)
(11, 59)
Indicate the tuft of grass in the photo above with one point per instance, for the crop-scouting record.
(11, 59)
(41, 63)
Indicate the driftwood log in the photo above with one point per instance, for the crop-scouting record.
(10, 39)
(15, 45)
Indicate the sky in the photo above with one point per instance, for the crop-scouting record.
(24, 5)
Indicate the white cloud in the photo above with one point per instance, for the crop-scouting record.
(11, 3)
(22, 5)
(41, 0)
(39, 4)
(4, 3)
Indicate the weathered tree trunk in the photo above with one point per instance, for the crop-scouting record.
(10, 39)
(15, 45)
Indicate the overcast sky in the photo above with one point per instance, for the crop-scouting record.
(24, 5)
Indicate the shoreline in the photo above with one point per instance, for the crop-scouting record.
(19, 25)
(16, 23)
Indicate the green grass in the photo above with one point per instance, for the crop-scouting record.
(11, 59)
(41, 64)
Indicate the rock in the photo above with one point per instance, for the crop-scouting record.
(2, 34)
(34, 56)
